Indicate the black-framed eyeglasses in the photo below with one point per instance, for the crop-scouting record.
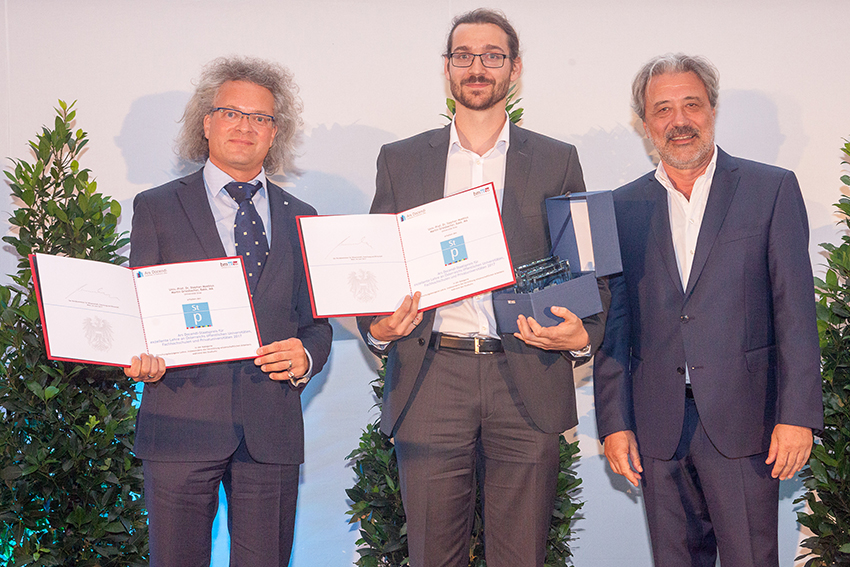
(489, 60)
(232, 116)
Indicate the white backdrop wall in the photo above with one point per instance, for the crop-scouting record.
(370, 72)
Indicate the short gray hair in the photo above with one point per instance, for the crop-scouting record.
(193, 146)
(674, 63)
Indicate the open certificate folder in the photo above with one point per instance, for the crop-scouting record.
(187, 313)
(449, 249)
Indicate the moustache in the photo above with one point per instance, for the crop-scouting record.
(678, 131)
(478, 79)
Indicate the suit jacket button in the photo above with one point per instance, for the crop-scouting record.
(680, 370)
(421, 341)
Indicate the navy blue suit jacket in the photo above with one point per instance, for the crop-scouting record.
(745, 325)
(200, 413)
(412, 172)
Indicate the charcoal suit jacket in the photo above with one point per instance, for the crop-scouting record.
(201, 413)
(412, 172)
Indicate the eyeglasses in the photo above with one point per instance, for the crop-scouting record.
(489, 60)
(233, 116)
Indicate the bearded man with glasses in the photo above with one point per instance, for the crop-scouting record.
(233, 423)
(467, 403)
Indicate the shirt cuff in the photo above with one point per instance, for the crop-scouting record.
(302, 380)
(583, 353)
(380, 345)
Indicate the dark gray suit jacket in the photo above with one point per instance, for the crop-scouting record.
(745, 325)
(412, 172)
(199, 413)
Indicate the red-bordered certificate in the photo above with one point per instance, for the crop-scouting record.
(188, 313)
(449, 249)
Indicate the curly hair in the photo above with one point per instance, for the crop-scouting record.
(192, 144)
(674, 63)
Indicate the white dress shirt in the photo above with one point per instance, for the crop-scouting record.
(686, 219)
(473, 317)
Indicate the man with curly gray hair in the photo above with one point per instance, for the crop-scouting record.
(235, 423)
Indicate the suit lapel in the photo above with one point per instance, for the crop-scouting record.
(723, 188)
(517, 168)
(660, 226)
(193, 197)
(433, 167)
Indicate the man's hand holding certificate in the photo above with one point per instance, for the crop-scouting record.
(447, 250)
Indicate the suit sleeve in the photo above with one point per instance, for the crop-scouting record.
(144, 247)
(612, 385)
(799, 396)
(315, 334)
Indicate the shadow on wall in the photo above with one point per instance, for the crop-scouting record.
(612, 158)
(339, 168)
(747, 126)
(147, 139)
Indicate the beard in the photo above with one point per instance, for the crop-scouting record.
(483, 102)
(685, 157)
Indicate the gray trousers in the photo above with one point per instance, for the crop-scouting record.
(465, 426)
(182, 501)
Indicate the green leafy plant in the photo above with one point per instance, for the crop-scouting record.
(376, 496)
(827, 478)
(71, 489)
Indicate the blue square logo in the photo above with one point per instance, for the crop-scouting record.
(197, 315)
(454, 250)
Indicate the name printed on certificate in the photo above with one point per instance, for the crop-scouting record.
(188, 313)
(448, 249)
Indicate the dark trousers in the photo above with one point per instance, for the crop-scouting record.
(182, 501)
(465, 426)
(700, 502)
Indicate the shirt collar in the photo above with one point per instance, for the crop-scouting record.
(215, 180)
(664, 179)
(503, 142)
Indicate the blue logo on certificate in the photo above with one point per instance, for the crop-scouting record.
(454, 250)
(197, 315)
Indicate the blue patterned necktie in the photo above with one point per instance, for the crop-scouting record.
(249, 232)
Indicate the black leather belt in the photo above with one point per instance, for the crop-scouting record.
(472, 344)
(689, 392)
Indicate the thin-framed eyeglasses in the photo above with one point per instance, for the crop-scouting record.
(232, 116)
(489, 60)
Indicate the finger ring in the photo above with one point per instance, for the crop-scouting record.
(150, 377)
(290, 365)
(291, 375)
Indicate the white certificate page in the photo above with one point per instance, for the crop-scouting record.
(355, 264)
(366, 264)
(197, 312)
(455, 247)
(89, 310)
(188, 313)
